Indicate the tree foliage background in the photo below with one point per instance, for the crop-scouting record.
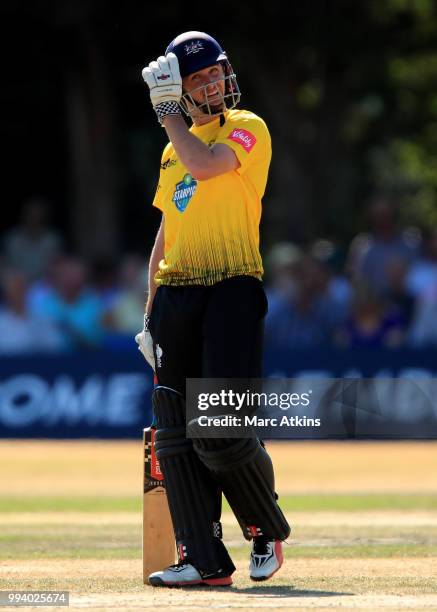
(348, 89)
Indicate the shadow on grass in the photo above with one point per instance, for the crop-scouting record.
(268, 591)
(287, 591)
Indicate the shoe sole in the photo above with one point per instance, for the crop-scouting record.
(225, 581)
(280, 558)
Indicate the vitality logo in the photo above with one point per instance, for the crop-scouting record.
(184, 192)
(245, 138)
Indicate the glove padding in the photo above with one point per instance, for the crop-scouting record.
(145, 343)
(164, 79)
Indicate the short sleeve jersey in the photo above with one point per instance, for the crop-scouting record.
(212, 226)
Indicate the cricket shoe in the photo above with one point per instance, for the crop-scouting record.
(185, 574)
(265, 559)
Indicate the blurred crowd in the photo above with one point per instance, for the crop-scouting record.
(381, 291)
(52, 300)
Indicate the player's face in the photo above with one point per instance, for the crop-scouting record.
(206, 85)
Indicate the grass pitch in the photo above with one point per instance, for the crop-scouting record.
(364, 519)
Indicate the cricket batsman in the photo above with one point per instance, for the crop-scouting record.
(205, 308)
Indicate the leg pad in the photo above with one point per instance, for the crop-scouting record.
(245, 472)
(194, 496)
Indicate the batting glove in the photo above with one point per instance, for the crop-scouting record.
(165, 84)
(145, 343)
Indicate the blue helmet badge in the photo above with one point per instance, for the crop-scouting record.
(195, 50)
(184, 192)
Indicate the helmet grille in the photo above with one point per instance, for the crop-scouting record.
(229, 99)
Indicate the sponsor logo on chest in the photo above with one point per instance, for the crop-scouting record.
(184, 191)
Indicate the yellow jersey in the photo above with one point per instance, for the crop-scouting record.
(211, 227)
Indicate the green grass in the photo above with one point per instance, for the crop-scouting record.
(362, 502)
(34, 547)
(289, 503)
(123, 541)
(70, 541)
(373, 551)
(90, 541)
(70, 504)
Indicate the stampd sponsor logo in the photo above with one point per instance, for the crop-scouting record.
(243, 137)
(184, 192)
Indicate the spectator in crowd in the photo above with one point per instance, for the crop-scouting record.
(44, 286)
(421, 283)
(104, 279)
(338, 288)
(30, 246)
(281, 267)
(373, 323)
(128, 310)
(370, 255)
(301, 314)
(422, 274)
(20, 330)
(398, 296)
(423, 331)
(75, 308)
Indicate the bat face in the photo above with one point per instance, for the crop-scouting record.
(159, 549)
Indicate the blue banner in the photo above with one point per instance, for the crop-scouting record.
(96, 394)
(108, 395)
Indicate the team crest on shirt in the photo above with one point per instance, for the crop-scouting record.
(184, 192)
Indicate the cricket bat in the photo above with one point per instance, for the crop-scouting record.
(159, 548)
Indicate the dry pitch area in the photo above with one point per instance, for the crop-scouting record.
(364, 521)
